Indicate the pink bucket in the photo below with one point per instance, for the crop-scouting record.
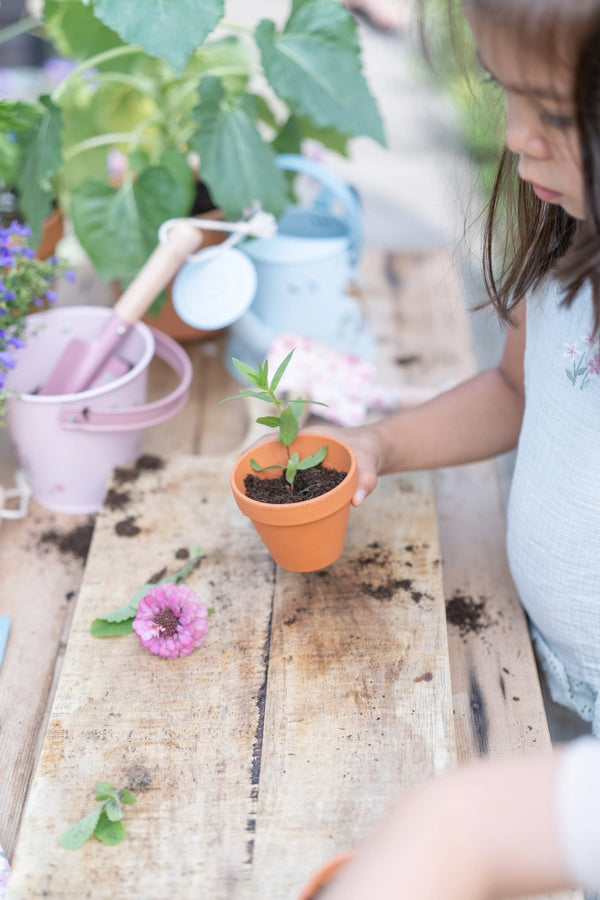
(68, 444)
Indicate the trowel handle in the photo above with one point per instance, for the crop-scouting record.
(163, 264)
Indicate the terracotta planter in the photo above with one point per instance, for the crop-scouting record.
(309, 535)
(321, 878)
(51, 235)
(167, 319)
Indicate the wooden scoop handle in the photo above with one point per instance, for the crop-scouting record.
(157, 272)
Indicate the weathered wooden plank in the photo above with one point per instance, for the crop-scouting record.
(207, 727)
(358, 703)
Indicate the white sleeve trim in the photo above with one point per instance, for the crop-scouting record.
(577, 811)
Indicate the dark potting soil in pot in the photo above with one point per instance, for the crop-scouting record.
(308, 483)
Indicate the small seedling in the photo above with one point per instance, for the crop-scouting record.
(104, 822)
(287, 420)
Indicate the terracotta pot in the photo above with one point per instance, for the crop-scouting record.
(167, 319)
(51, 235)
(323, 876)
(308, 535)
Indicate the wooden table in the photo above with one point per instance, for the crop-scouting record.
(316, 700)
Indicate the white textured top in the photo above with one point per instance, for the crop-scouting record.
(577, 801)
(553, 536)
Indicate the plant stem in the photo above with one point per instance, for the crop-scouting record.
(102, 140)
(29, 23)
(235, 26)
(83, 67)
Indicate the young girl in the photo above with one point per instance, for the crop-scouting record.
(544, 395)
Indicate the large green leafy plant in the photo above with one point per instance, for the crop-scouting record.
(155, 82)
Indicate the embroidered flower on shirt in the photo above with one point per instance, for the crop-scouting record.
(585, 361)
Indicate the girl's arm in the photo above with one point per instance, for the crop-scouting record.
(493, 829)
(477, 419)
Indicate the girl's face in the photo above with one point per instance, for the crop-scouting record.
(541, 128)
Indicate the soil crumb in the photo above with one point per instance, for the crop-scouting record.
(75, 542)
(154, 579)
(182, 553)
(138, 778)
(144, 463)
(115, 500)
(308, 483)
(127, 527)
(467, 614)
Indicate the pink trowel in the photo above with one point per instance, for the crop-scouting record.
(82, 361)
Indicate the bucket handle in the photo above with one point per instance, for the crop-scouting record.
(134, 418)
(336, 188)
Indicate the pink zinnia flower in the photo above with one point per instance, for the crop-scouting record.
(171, 620)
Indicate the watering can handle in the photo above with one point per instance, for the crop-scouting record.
(338, 189)
(134, 418)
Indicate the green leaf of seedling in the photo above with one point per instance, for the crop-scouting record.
(309, 462)
(112, 808)
(258, 468)
(269, 421)
(102, 629)
(109, 832)
(104, 790)
(260, 395)
(288, 426)
(126, 796)
(292, 468)
(247, 372)
(75, 836)
(296, 407)
(280, 370)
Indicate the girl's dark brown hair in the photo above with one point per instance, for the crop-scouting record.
(539, 238)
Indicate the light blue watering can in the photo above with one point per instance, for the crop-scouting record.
(303, 273)
(286, 277)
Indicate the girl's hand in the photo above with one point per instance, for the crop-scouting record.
(367, 444)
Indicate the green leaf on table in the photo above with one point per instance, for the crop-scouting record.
(126, 796)
(113, 810)
(75, 836)
(104, 790)
(101, 628)
(314, 65)
(227, 140)
(118, 227)
(171, 31)
(109, 832)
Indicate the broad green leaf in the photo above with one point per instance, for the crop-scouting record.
(118, 227)
(100, 628)
(288, 426)
(314, 65)
(75, 31)
(309, 462)
(176, 163)
(298, 128)
(280, 370)
(113, 810)
(104, 790)
(9, 159)
(127, 797)
(109, 832)
(41, 160)
(171, 31)
(75, 836)
(228, 58)
(269, 421)
(18, 116)
(228, 141)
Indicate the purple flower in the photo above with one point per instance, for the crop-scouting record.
(6, 360)
(51, 296)
(171, 620)
(69, 275)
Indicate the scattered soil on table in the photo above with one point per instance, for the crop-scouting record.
(467, 614)
(138, 778)
(144, 463)
(127, 527)
(182, 553)
(75, 542)
(308, 483)
(407, 360)
(116, 500)
(154, 579)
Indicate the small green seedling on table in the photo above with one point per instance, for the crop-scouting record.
(287, 420)
(104, 822)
